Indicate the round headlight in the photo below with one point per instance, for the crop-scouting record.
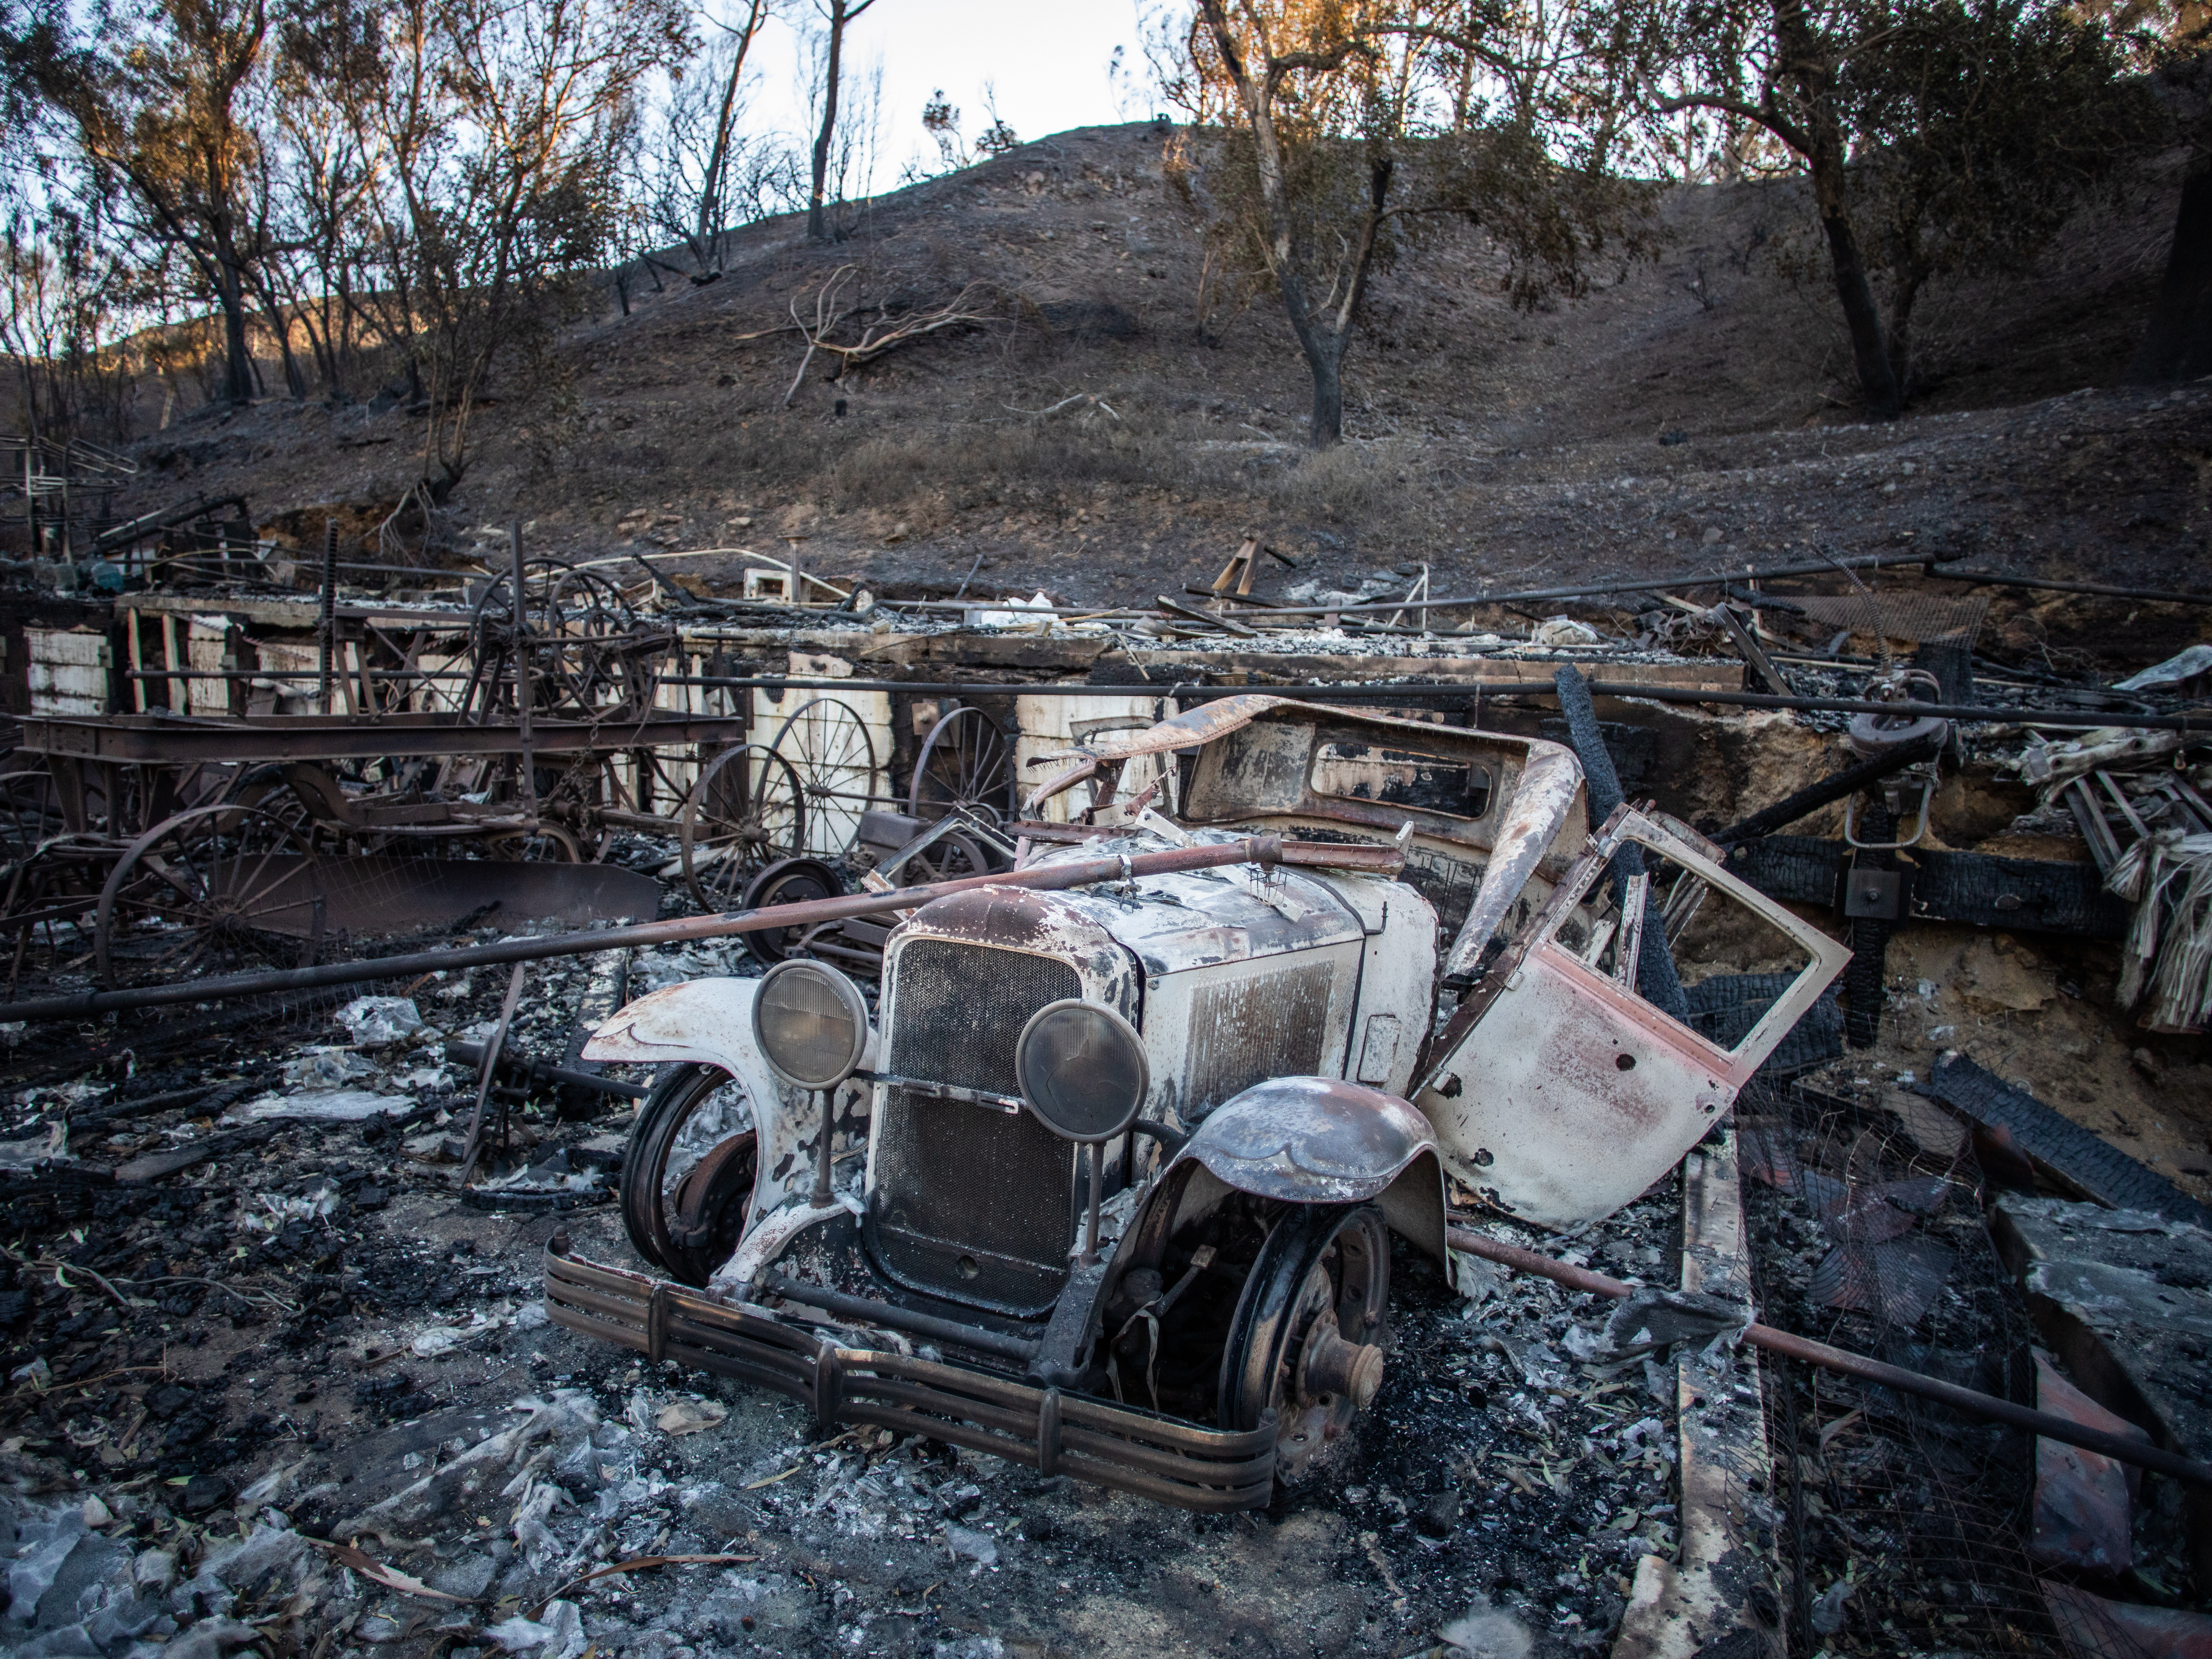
(1082, 1070)
(810, 1023)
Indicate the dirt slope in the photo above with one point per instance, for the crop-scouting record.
(1686, 408)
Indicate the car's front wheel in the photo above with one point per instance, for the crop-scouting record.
(1306, 1341)
(687, 1181)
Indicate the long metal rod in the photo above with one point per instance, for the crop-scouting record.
(2120, 1448)
(860, 1309)
(2148, 595)
(1685, 578)
(1374, 691)
(1051, 878)
(1377, 691)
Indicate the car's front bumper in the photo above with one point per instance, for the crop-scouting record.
(1047, 1429)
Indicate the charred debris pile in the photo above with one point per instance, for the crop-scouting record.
(421, 1235)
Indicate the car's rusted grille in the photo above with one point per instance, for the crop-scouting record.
(971, 1204)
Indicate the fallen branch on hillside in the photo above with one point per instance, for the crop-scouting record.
(1090, 398)
(968, 308)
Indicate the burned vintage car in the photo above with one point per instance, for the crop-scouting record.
(1105, 1183)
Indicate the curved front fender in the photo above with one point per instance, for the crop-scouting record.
(709, 1022)
(1320, 1141)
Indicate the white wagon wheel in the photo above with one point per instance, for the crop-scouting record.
(835, 762)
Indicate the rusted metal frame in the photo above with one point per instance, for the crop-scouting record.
(275, 737)
(1052, 878)
(1120, 1447)
(2187, 1470)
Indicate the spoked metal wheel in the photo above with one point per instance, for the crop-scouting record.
(947, 859)
(965, 762)
(1306, 1339)
(687, 1179)
(47, 874)
(794, 881)
(215, 887)
(746, 812)
(828, 746)
(548, 843)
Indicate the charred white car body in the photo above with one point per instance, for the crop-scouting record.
(1109, 1184)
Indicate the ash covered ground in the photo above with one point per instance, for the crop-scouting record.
(308, 1342)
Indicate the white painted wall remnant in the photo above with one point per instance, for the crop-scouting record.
(68, 670)
(203, 651)
(1051, 726)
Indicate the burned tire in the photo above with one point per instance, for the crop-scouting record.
(1306, 1339)
(792, 881)
(687, 1179)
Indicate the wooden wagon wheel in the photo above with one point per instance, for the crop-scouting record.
(215, 886)
(746, 812)
(965, 762)
(836, 768)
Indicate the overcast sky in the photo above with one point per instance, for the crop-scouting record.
(1046, 60)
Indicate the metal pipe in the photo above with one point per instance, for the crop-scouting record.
(1384, 691)
(523, 689)
(1427, 691)
(898, 1319)
(2149, 595)
(327, 629)
(533, 1072)
(2142, 1453)
(1688, 579)
(1833, 788)
(682, 930)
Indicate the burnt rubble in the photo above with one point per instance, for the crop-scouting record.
(280, 1373)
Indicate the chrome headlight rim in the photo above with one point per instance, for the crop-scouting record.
(1026, 1057)
(847, 993)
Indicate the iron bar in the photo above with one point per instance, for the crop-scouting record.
(534, 1072)
(2147, 595)
(1265, 850)
(2142, 1453)
(1364, 691)
(1374, 691)
(326, 630)
(523, 689)
(866, 1312)
(1528, 596)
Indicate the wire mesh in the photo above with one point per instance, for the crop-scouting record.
(1905, 1522)
(1918, 617)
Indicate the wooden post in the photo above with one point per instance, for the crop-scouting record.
(136, 661)
(173, 657)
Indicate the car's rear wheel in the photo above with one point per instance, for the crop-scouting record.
(1306, 1340)
(687, 1181)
